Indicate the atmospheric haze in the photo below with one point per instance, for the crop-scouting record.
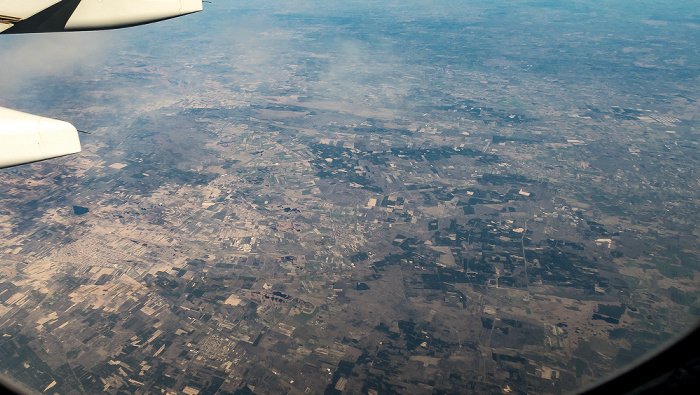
(355, 196)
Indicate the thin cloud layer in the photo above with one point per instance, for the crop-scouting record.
(28, 58)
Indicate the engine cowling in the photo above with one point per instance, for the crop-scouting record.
(26, 138)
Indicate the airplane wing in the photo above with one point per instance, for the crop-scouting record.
(26, 138)
(43, 16)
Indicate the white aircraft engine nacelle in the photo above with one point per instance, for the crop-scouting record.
(110, 14)
(26, 138)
